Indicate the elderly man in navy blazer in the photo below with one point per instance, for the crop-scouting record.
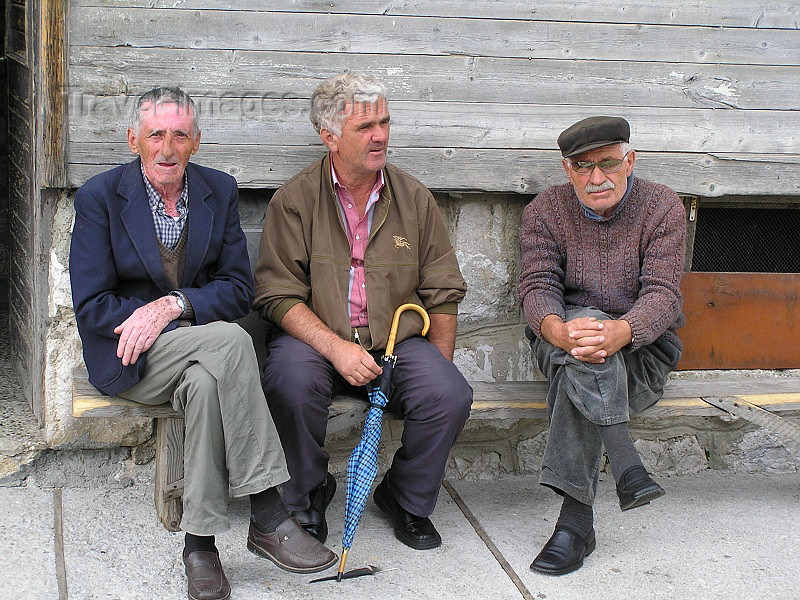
(159, 269)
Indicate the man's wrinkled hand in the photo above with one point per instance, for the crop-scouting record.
(138, 332)
(354, 363)
(595, 341)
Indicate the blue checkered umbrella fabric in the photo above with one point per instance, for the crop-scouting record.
(363, 464)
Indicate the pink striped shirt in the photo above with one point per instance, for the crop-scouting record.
(357, 230)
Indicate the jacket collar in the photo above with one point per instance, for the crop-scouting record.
(137, 219)
(381, 207)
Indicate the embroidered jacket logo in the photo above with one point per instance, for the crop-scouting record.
(400, 242)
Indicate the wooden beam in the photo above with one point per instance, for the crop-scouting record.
(280, 74)
(377, 34)
(52, 83)
(712, 13)
(271, 121)
(483, 170)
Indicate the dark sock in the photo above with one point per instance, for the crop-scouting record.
(193, 543)
(621, 452)
(575, 516)
(268, 510)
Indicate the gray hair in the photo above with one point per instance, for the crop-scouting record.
(329, 100)
(164, 95)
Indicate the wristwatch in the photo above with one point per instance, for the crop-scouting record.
(180, 299)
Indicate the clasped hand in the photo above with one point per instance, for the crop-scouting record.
(590, 340)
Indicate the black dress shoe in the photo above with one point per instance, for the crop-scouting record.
(636, 488)
(207, 580)
(415, 532)
(564, 552)
(313, 518)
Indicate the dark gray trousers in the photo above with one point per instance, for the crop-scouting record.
(430, 394)
(584, 396)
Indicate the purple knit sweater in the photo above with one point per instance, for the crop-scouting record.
(628, 265)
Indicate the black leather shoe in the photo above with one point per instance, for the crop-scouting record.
(415, 532)
(313, 518)
(636, 488)
(207, 580)
(564, 552)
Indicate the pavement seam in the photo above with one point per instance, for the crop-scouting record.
(58, 532)
(506, 566)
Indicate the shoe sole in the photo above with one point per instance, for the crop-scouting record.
(193, 598)
(645, 499)
(399, 534)
(258, 551)
(570, 568)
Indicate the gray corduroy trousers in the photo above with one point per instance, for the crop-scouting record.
(584, 396)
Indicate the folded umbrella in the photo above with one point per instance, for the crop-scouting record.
(363, 463)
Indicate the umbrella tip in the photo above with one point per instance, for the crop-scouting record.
(342, 562)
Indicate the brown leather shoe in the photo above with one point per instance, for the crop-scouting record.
(207, 580)
(291, 548)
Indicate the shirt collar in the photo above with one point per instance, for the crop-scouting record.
(155, 199)
(378, 184)
(598, 217)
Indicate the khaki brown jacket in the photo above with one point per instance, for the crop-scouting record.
(305, 255)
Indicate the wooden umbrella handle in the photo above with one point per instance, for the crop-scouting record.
(396, 321)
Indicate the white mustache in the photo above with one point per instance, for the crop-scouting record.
(605, 186)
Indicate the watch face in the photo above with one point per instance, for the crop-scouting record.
(181, 302)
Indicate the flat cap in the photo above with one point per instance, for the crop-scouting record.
(592, 133)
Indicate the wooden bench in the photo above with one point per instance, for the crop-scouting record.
(502, 400)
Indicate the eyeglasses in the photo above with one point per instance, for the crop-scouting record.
(608, 166)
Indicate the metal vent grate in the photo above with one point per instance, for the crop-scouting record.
(758, 240)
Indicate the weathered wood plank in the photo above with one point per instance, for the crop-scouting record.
(169, 471)
(454, 169)
(709, 12)
(466, 125)
(681, 397)
(239, 30)
(88, 402)
(255, 74)
(52, 72)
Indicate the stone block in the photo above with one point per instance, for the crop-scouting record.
(485, 466)
(675, 456)
(529, 454)
(762, 451)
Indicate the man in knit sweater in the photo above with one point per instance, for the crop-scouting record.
(602, 258)
(159, 268)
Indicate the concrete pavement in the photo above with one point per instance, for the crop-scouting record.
(717, 534)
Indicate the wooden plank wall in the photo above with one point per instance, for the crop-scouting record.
(479, 89)
(22, 221)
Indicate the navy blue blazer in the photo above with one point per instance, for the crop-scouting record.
(115, 266)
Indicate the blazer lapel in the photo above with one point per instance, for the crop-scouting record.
(137, 218)
(201, 224)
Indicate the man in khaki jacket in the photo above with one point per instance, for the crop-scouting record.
(345, 242)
